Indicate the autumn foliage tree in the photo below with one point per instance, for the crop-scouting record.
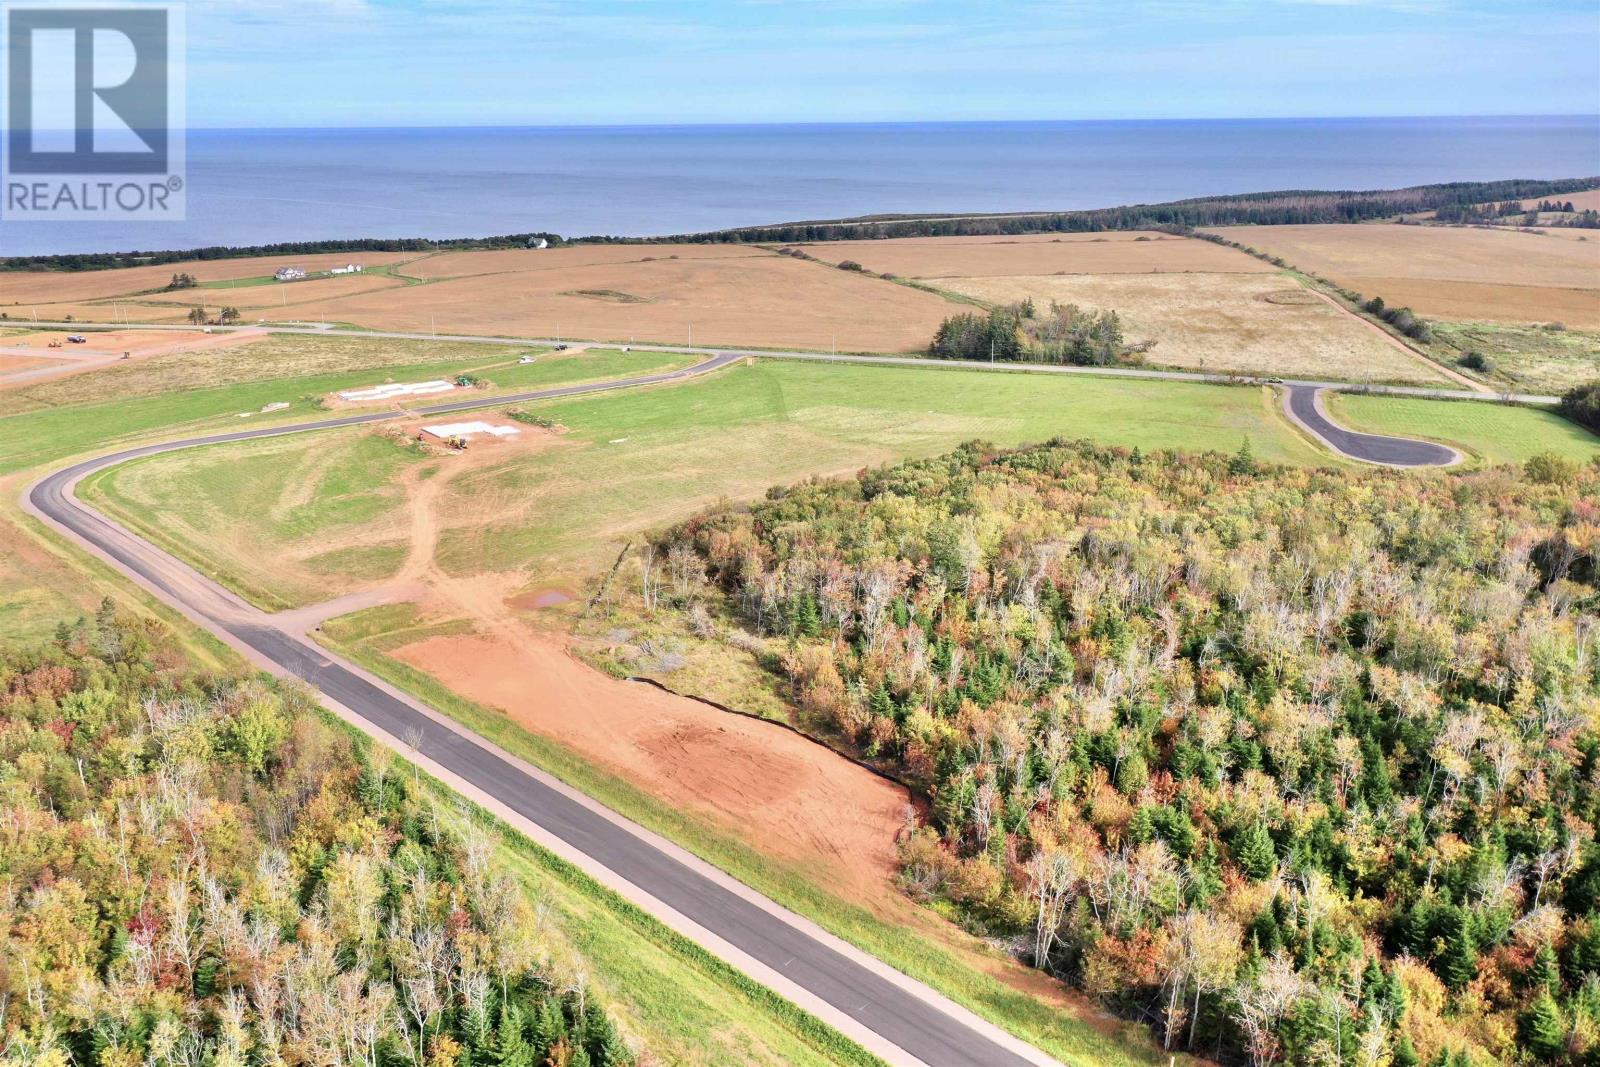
(1299, 765)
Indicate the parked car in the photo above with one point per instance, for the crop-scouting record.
(77, 339)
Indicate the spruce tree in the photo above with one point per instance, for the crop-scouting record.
(1255, 854)
(1541, 1029)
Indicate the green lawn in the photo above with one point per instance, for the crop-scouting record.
(1496, 433)
(635, 460)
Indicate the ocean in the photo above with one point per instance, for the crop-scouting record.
(249, 187)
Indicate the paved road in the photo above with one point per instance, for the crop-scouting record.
(899, 1019)
(1303, 404)
(824, 357)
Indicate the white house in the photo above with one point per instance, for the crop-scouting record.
(538, 242)
(290, 274)
(353, 268)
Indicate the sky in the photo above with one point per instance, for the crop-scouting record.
(278, 63)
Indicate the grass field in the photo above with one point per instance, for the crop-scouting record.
(272, 357)
(1525, 359)
(1249, 323)
(1495, 433)
(42, 435)
(638, 459)
(1123, 252)
(1447, 272)
(40, 586)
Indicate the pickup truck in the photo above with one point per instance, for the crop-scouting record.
(77, 339)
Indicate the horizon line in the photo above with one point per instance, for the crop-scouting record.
(834, 123)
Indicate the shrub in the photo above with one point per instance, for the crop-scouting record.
(1548, 468)
(1581, 404)
(1475, 360)
(850, 264)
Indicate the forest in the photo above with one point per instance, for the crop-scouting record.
(206, 871)
(1287, 207)
(1299, 766)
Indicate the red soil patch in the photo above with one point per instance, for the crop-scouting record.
(787, 796)
(540, 599)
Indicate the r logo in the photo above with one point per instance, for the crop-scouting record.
(88, 90)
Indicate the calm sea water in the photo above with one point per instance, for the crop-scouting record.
(251, 187)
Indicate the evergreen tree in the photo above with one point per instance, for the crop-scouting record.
(1541, 1028)
(1255, 854)
(510, 1048)
(1459, 964)
(1545, 974)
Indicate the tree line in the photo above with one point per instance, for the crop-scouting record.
(1269, 208)
(1297, 765)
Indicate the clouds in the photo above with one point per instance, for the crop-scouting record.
(404, 62)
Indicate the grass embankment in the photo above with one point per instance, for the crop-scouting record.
(365, 636)
(686, 1005)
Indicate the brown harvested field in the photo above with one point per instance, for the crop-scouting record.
(1469, 301)
(463, 264)
(1446, 271)
(1250, 323)
(44, 287)
(1123, 252)
(761, 301)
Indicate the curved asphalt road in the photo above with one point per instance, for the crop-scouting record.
(1303, 404)
(895, 1017)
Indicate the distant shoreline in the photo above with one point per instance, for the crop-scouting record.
(1294, 206)
(330, 187)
